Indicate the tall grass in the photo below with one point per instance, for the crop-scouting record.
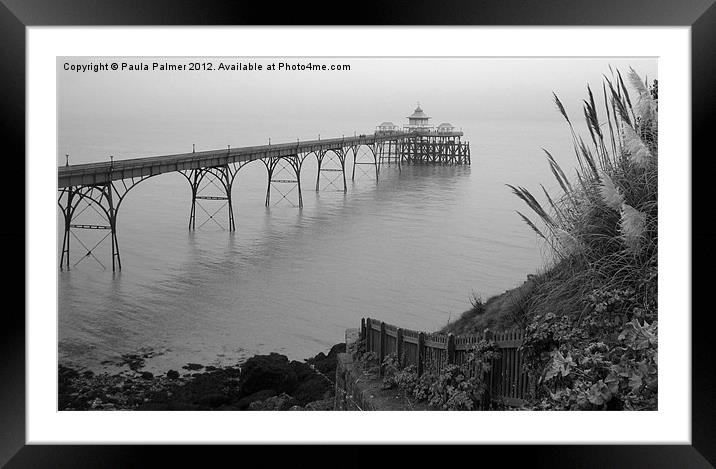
(602, 227)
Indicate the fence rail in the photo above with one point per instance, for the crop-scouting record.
(507, 380)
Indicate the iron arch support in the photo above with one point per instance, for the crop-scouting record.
(222, 178)
(375, 163)
(294, 162)
(108, 197)
(340, 153)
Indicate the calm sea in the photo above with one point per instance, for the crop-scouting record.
(410, 249)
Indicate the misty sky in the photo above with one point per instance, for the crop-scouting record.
(374, 90)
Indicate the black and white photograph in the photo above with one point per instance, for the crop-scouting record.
(446, 224)
(357, 234)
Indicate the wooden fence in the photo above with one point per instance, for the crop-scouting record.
(507, 380)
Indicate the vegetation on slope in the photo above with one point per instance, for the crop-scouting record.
(591, 319)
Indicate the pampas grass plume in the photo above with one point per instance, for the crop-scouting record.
(638, 152)
(645, 105)
(569, 243)
(632, 224)
(611, 195)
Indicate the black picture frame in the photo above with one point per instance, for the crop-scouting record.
(16, 15)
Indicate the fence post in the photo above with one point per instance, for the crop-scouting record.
(368, 336)
(450, 349)
(421, 345)
(362, 328)
(382, 347)
(399, 346)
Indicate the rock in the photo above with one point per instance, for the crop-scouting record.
(303, 371)
(160, 395)
(335, 350)
(245, 402)
(210, 390)
(325, 404)
(318, 358)
(282, 402)
(312, 389)
(263, 382)
(134, 361)
(213, 400)
(327, 364)
(65, 373)
(267, 372)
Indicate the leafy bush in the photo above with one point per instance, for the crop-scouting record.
(600, 375)
(367, 358)
(454, 387)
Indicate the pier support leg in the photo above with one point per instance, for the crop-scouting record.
(68, 209)
(355, 157)
(343, 170)
(112, 211)
(300, 194)
(192, 214)
(377, 163)
(232, 224)
(319, 157)
(65, 256)
(398, 155)
(268, 185)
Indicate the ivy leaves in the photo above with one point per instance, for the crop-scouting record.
(599, 393)
(621, 374)
(639, 337)
(559, 365)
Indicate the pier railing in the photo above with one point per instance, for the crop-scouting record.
(508, 381)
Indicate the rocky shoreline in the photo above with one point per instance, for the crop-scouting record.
(263, 382)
